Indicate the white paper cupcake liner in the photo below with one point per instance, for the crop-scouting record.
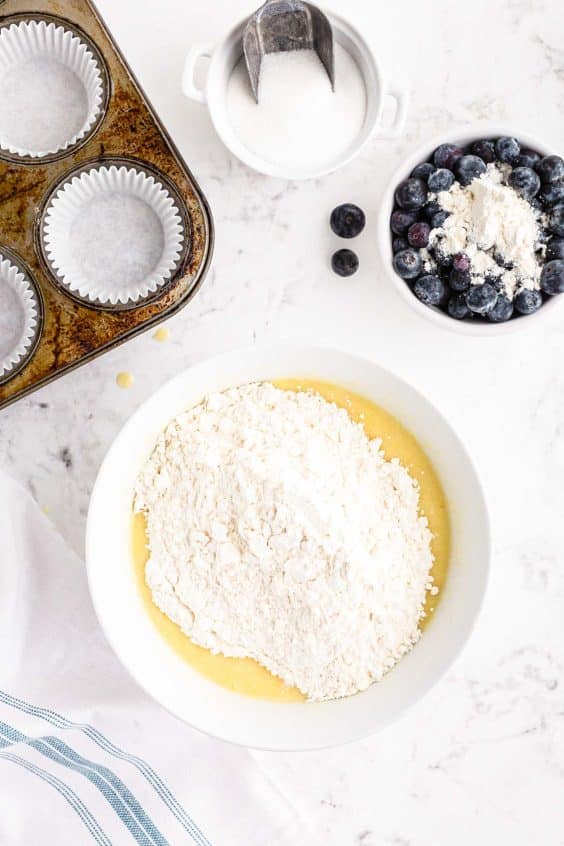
(113, 235)
(51, 89)
(18, 316)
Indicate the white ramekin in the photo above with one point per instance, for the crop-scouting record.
(178, 686)
(227, 53)
(461, 136)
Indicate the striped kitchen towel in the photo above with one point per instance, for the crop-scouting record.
(85, 756)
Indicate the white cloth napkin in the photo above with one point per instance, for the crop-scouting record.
(85, 756)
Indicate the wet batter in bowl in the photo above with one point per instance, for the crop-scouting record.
(247, 676)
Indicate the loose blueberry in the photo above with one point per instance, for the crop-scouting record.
(401, 220)
(411, 194)
(468, 168)
(440, 180)
(423, 171)
(431, 209)
(507, 150)
(347, 220)
(399, 244)
(418, 234)
(551, 169)
(461, 262)
(525, 181)
(457, 307)
(552, 277)
(438, 219)
(502, 310)
(345, 262)
(552, 193)
(481, 298)
(446, 155)
(526, 302)
(459, 280)
(555, 221)
(408, 264)
(485, 150)
(430, 290)
(527, 158)
(555, 249)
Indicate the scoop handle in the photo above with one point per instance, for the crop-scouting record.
(189, 87)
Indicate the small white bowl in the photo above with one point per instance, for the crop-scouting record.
(232, 716)
(227, 53)
(461, 136)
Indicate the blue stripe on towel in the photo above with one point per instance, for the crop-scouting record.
(65, 791)
(122, 801)
(97, 737)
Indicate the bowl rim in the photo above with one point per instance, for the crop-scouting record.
(350, 735)
(219, 118)
(463, 134)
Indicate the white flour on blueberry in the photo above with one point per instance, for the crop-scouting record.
(488, 220)
(278, 531)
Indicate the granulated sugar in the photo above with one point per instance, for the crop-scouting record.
(299, 120)
(278, 531)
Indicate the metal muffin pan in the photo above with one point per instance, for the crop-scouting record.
(126, 132)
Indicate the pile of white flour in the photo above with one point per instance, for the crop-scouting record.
(278, 531)
(487, 218)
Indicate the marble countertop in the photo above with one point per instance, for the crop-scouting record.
(481, 760)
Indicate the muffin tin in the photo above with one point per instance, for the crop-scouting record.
(102, 225)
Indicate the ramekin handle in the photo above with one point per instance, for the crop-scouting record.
(189, 87)
(395, 129)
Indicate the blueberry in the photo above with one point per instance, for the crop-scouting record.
(552, 193)
(401, 220)
(418, 234)
(431, 209)
(481, 298)
(459, 280)
(502, 310)
(501, 261)
(446, 155)
(344, 262)
(551, 169)
(552, 277)
(399, 244)
(468, 168)
(527, 158)
(440, 180)
(556, 220)
(438, 219)
(507, 150)
(347, 220)
(430, 290)
(525, 181)
(411, 194)
(461, 262)
(423, 171)
(408, 264)
(443, 259)
(457, 307)
(526, 301)
(555, 249)
(485, 150)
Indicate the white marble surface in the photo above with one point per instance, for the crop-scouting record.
(481, 759)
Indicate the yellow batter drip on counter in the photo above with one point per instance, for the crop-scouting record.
(245, 675)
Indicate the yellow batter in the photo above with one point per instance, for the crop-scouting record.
(245, 675)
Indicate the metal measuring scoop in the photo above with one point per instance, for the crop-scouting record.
(283, 25)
